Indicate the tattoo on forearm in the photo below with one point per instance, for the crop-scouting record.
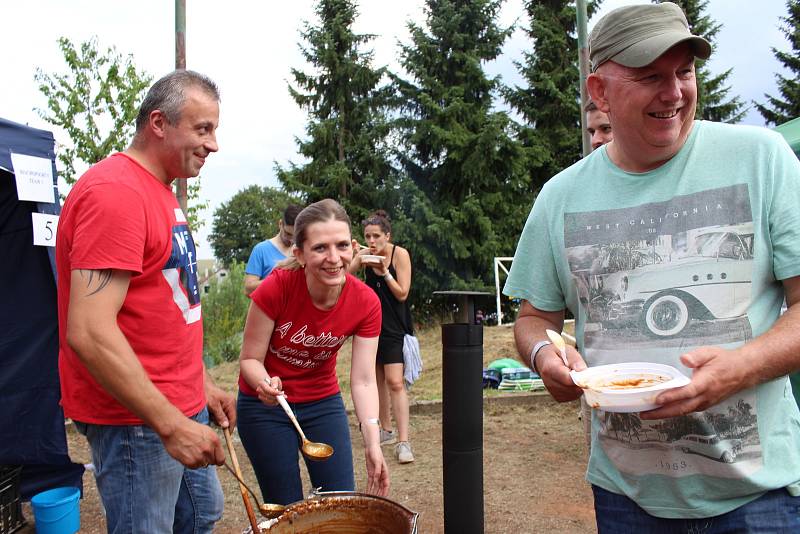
(96, 280)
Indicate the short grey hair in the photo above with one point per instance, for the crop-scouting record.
(168, 95)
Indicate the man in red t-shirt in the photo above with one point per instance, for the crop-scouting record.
(131, 334)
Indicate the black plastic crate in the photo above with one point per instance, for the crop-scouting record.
(11, 519)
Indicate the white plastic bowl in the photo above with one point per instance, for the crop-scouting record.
(371, 258)
(604, 385)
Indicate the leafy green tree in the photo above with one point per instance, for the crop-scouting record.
(194, 206)
(249, 217)
(460, 203)
(778, 110)
(224, 312)
(714, 102)
(95, 102)
(549, 103)
(344, 101)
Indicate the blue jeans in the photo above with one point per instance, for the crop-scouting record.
(144, 489)
(775, 512)
(272, 444)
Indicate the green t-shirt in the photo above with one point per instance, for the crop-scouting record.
(653, 265)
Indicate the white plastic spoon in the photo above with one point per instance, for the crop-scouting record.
(560, 344)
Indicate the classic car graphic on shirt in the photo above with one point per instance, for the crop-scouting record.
(712, 281)
(683, 269)
(711, 446)
(653, 281)
(722, 441)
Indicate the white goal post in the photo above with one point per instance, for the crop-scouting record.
(498, 264)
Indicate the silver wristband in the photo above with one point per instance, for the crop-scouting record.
(370, 421)
(388, 276)
(536, 349)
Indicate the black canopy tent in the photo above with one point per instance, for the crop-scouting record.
(31, 420)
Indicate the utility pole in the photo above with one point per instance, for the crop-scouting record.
(583, 68)
(180, 63)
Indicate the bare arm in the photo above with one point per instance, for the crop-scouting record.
(96, 297)
(251, 282)
(401, 285)
(719, 373)
(529, 329)
(358, 251)
(257, 333)
(364, 390)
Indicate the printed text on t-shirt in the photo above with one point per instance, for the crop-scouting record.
(301, 357)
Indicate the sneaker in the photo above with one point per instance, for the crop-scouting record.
(403, 452)
(388, 437)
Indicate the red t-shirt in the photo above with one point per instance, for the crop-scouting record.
(303, 348)
(119, 216)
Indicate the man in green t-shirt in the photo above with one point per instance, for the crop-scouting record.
(675, 243)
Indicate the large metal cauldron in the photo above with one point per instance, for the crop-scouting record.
(335, 512)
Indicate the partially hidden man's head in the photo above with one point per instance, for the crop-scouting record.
(598, 125)
(643, 77)
(286, 224)
(177, 121)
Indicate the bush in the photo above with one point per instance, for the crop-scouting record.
(224, 313)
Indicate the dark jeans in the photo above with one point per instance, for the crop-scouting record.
(775, 512)
(272, 444)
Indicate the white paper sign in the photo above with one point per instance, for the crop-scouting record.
(45, 228)
(34, 178)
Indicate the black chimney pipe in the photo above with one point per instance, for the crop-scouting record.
(462, 427)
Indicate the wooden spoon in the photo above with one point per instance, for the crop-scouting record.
(242, 488)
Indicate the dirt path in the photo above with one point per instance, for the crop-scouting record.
(534, 458)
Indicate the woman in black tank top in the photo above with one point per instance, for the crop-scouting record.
(387, 270)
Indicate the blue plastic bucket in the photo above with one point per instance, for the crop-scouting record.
(57, 511)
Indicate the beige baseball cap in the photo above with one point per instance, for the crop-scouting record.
(635, 36)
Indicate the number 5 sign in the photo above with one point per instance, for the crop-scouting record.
(44, 229)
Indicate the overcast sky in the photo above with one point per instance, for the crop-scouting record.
(248, 47)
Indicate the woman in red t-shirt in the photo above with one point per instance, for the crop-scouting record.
(299, 317)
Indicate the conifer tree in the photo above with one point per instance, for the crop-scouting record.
(461, 202)
(549, 104)
(344, 101)
(778, 110)
(714, 102)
